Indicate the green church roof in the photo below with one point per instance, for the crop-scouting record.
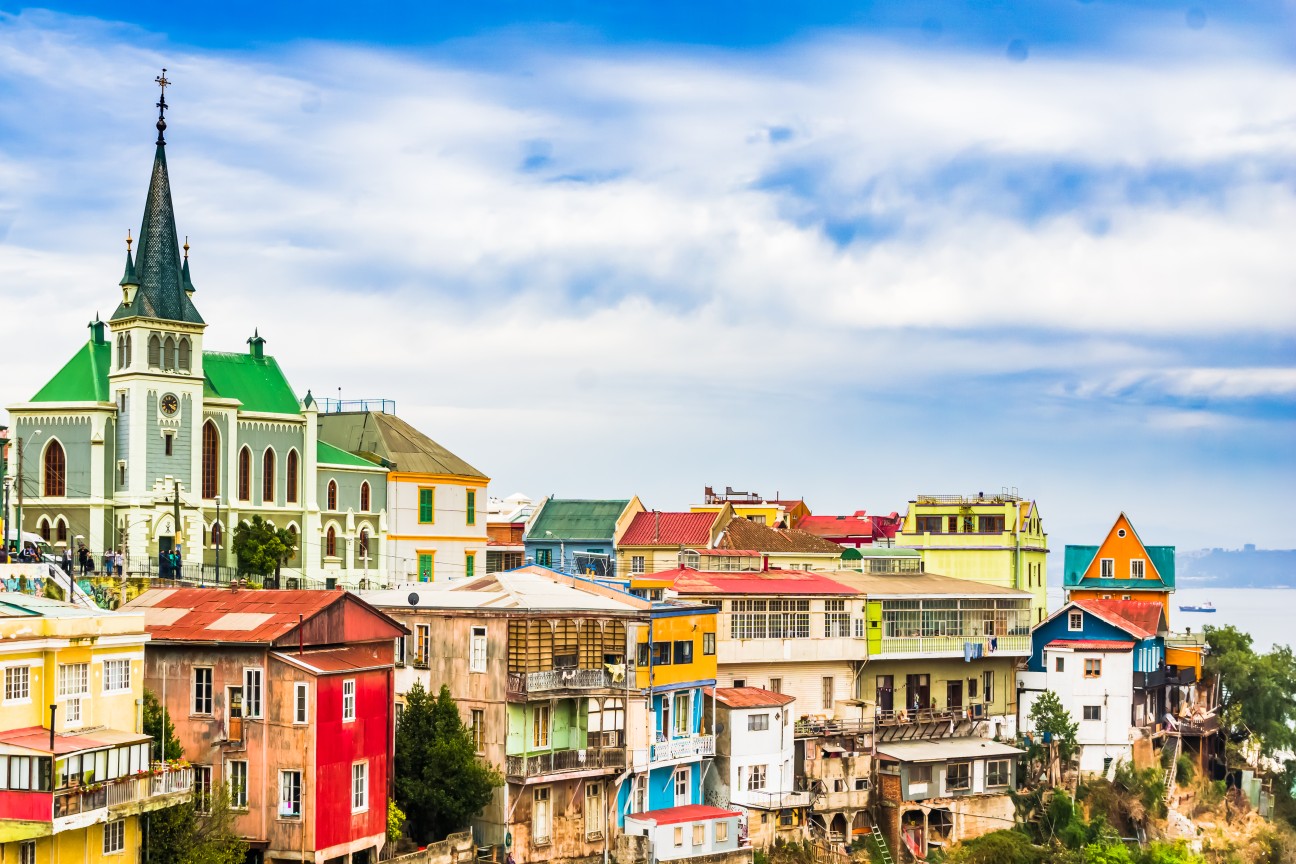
(327, 454)
(84, 378)
(257, 382)
(570, 519)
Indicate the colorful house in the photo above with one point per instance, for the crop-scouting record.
(653, 541)
(775, 512)
(855, 531)
(76, 769)
(778, 548)
(286, 697)
(579, 535)
(996, 539)
(1121, 568)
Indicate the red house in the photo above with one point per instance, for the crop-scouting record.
(288, 698)
(854, 531)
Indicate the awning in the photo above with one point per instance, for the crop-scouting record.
(833, 748)
(944, 749)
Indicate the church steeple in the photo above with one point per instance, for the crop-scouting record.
(157, 266)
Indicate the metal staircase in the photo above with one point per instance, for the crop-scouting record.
(881, 844)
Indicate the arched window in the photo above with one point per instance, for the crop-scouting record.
(268, 476)
(60, 530)
(155, 352)
(121, 350)
(245, 475)
(183, 355)
(55, 471)
(44, 529)
(331, 502)
(364, 497)
(210, 461)
(216, 534)
(128, 349)
(330, 543)
(290, 481)
(363, 548)
(168, 353)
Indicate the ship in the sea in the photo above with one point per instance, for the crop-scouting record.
(1200, 607)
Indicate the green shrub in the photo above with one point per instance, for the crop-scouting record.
(1184, 769)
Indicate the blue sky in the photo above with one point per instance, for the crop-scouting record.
(847, 251)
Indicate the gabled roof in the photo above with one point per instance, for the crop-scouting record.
(84, 378)
(743, 533)
(257, 382)
(391, 439)
(576, 519)
(749, 697)
(1139, 618)
(686, 580)
(669, 529)
(858, 524)
(327, 454)
(1079, 560)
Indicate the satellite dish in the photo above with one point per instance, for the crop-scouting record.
(413, 599)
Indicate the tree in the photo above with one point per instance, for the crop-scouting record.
(1054, 724)
(182, 835)
(261, 547)
(1258, 691)
(440, 782)
(154, 719)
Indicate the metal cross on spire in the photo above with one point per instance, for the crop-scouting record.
(162, 106)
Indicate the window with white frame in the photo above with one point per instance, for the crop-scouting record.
(639, 794)
(757, 722)
(1092, 712)
(721, 832)
(1136, 568)
(253, 678)
(114, 837)
(683, 713)
(987, 686)
(1075, 621)
(477, 650)
(348, 700)
(73, 679)
(593, 809)
(27, 852)
(116, 676)
(17, 684)
(301, 702)
(202, 690)
(1107, 568)
(202, 788)
(637, 563)
(541, 815)
(836, 619)
(359, 787)
(422, 644)
(756, 778)
(290, 791)
(238, 783)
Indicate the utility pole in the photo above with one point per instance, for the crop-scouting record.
(18, 515)
(175, 538)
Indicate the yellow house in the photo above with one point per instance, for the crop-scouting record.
(654, 541)
(76, 769)
(992, 539)
(776, 514)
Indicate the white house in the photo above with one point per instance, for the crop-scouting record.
(754, 768)
(690, 831)
(1094, 681)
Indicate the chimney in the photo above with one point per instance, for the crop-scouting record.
(656, 526)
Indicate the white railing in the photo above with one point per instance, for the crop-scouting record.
(167, 781)
(559, 679)
(683, 748)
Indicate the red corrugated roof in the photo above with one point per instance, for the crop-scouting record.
(686, 580)
(1090, 645)
(685, 813)
(1138, 617)
(856, 525)
(669, 529)
(331, 660)
(749, 697)
(222, 615)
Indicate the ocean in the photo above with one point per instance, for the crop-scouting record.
(1265, 613)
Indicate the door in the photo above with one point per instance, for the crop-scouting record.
(954, 695)
(918, 692)
(683, 780)
(234, 717)
(886, 693)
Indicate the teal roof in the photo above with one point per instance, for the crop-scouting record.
(1078, 559)
(327, 454)
(571, 519)
(257, 382)
(84, 378)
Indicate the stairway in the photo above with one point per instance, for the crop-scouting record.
(71, 590)
(881, 844)
(1171, 773)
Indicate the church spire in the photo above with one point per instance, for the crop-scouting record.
(129, 277)
(158, 268)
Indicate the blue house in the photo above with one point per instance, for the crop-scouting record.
(1105, 620)
(578, 535)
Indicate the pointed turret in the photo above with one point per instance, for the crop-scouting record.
(256, 345)
(189, 288)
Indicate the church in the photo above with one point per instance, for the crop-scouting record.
(145, 441)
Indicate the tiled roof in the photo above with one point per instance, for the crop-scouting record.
(745, 534)
(685, 580)
(257, 382)
(669, 529)
(577, 519)
(391, 438)
(749, 697)
(84, 378)
(684, 813)
(1137, 617)
(1090, 645)
(221, 615)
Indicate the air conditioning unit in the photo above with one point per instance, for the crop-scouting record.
(977, 711)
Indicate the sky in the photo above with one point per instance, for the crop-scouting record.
(853, 252)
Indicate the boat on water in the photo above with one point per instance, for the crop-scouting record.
(1200, 607)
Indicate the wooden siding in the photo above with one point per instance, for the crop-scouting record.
(533, 644)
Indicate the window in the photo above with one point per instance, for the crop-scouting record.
(73, 679)
(1107, 568)
(202, 690)
(540, 815)
(593, 809)
(426, 505)
(44, 529)
(364, 497)
(470, 511)
(836, 619)
(1059, 664)
(425, 566)
(972, 684)
(997, 772)
(348, 700)
(168, 444)
(708, 644)
(154, 351)
(1136, 568)
(544, 557)
(929, 525)
(202, 787)
(268, 476)
(470, 565)
(684, 651)
(359, 787)
(301, 702)
(987, 686)
(775, 685)
(477, 650)
(168, 353)
(1093, 667)
(252, 681)
(638, 564)
(61, 531)
(1075, 621)
(182, 352)
(920, 773)
(478, 730)
(216, 535)
(683, 713)
(540, 727)
(958, 776)
(1092, 712)
(55, 480)
(114, 836)
(362, 545)
(699, 834)
(238, 783)
(740, 682)
(661, 653)
(245, 474)
(116, 676)
(17, 684)
(27, 852)
(290, 794)
(756, 778)
(331, 498)
(401, 644)
(210, 460)
(827, 695)
(757, 722)
(290, 478)
(990, 524)
(330, 542)
(721, 832)
(422, 644)
(683, 776)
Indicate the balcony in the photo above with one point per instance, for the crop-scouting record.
(524, 683)
(952, 646)
(124, 796)
(560, 761)
(823, 727)
(692, 747)
(770, 800)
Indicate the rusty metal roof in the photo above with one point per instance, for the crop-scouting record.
(226, 615)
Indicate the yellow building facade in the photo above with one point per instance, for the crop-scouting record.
(991, 539)
(75, 792)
